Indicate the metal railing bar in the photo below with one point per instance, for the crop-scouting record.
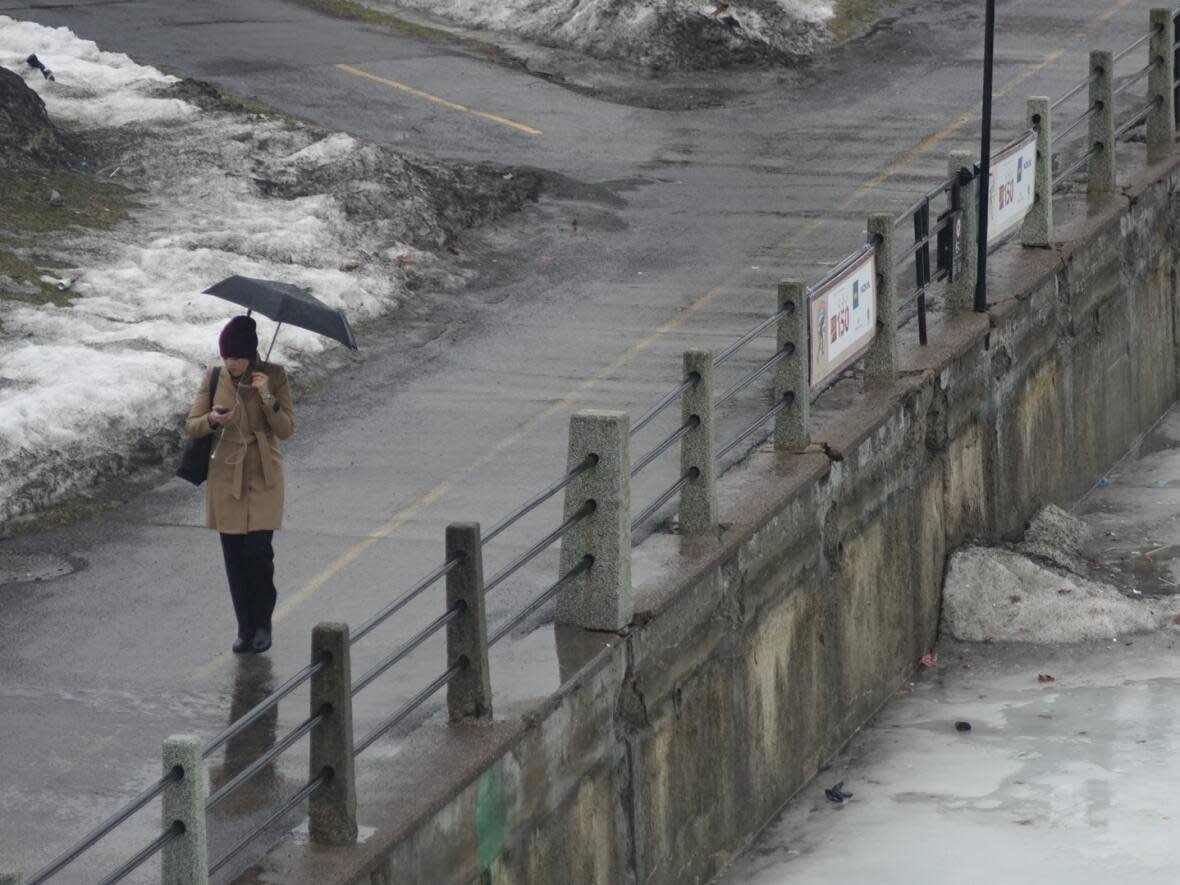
(1011, 141)
(1070, 94)
(931, 237)
(516, 564)
(414, 703)
(172, 777)
(836, 270)
(1135, 119)
(1135, 78)
(774, 410)
(753, 376)
(1073, 167)
(1129, 49)
(671, 397)
(262, 706)
(748, 337)
(930, 195)
(257, 765)
(173, 832)
(687, 477)
(411, 594)
(587, 462)
(683, 430)
(584, 563)
(1086, 115)
(840, 267)
(295, 799)
(424, 634)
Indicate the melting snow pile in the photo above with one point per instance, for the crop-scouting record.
(672, 34)
(1038, 591)
(88, 389)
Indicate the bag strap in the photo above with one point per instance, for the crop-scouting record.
(213, 385)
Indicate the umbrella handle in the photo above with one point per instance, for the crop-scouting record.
(272, 342)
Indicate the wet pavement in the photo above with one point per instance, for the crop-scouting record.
(115, 631)
(1062, 781)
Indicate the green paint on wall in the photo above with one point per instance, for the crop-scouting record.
(489, 817)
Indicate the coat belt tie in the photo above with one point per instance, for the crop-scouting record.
(264, 455)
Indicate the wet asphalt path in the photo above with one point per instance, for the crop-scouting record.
(686, 221)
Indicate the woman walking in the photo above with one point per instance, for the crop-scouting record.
(249, 411)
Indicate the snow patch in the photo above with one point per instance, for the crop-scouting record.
(1002, 595)
(1040, 591)
(92, 87)
(673, 34)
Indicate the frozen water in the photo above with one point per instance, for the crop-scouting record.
(1066, 783)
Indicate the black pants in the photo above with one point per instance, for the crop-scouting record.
(250, 568)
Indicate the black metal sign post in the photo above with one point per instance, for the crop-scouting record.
(985, 150)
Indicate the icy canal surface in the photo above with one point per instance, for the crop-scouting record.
(1066, 781)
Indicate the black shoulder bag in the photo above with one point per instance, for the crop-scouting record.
(194, 462)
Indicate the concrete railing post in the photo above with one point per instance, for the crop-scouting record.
(331, 809)
(600, 597)
(1100, 169)
(792, 380)
(881, 360)
(185, 861)
(960, 292)
(698, 499)
(1161, 119)
(469, 695)
(1038, 224)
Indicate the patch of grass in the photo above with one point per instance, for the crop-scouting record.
(851, 16)
(25, 210)
(27, 277)
(24, 201)
(349, 9)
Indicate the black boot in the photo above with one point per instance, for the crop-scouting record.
(261, 640)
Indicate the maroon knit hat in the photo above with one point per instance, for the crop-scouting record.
(239, 338)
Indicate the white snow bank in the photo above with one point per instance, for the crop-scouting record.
(1003, 595)
(1040, 591)
(92, 87)
(680, 34)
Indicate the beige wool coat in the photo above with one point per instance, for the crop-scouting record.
(244, 492)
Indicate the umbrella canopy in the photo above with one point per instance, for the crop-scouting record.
(285, 303)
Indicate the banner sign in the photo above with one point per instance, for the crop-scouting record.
(1012, 186)
(842, 317)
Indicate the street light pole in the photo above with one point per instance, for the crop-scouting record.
(985, 152)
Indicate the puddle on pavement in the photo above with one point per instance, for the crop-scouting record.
(1156, 441)
(1148, 571)
(21, 568)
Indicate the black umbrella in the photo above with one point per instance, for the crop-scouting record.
(285, 303)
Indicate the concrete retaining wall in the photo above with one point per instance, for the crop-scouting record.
(754, 656)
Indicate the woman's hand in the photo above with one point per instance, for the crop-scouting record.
(216, 418)
(261, 383)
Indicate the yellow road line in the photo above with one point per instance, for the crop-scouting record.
(440, 490)
(454, 106)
